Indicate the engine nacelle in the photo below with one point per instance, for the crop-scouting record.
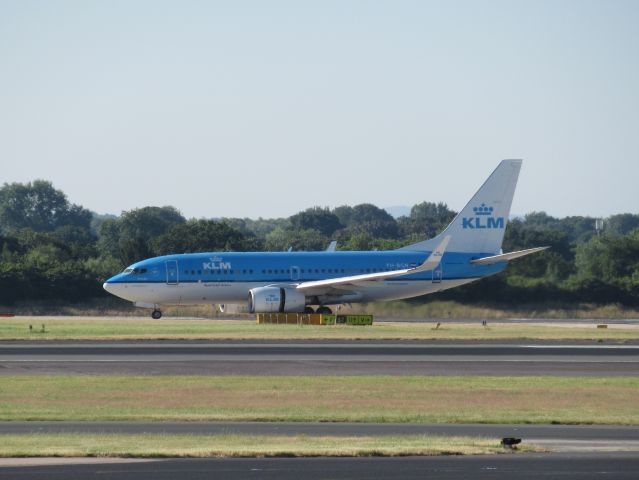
(275, 299)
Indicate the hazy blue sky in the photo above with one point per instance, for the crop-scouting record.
(241, 108)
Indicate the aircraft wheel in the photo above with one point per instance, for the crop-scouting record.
(309, 310)
(156, 314)
(324, 310)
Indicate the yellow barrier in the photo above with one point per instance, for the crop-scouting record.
(312, 319)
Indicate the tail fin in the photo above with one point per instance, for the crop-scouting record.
(480, 225)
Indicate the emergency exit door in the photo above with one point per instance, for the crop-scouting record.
(171, 272)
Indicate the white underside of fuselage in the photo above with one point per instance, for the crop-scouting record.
(199, 293)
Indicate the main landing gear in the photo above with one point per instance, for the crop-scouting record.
(156, 314)
(320, 309)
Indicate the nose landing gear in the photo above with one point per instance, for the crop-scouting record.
(156, 314)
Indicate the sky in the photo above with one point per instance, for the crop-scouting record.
(262, 109)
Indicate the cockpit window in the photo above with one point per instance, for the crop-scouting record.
(135, 271)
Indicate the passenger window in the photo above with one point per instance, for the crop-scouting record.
(192, 272)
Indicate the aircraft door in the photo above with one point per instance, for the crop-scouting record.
(171, 272)
(437, 274)
(295, 273)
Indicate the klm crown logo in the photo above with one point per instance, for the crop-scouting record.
(483, 210)
(483, 219)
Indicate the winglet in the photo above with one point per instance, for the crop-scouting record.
(435, 257)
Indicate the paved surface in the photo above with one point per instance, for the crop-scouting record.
(567, 438)
(522, 467)
(318, 358)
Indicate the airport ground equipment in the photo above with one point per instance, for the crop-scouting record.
(313, 319)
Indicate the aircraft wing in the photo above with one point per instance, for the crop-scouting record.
(506, 256)
(429, 264)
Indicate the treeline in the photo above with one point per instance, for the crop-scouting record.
(56, 251)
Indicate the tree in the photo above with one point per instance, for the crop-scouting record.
(553, 264)
(40, 207)
(281, 239)
(427, 219)
(135, 231)
(316, 218)
(611, 258)
(369, 219)
(621, 224)
(204, 236)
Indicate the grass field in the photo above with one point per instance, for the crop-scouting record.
(231, 445)
(432, 309)
(106, 328)
(333, 399)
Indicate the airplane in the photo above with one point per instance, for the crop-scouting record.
(467, 250)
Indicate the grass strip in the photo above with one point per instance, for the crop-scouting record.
(103, 328)
(232, 445)
(420, 399)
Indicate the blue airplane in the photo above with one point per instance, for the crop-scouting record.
(467, 250)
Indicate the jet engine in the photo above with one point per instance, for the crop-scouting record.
(275, 299)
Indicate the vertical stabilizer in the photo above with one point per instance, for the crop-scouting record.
(480, 226)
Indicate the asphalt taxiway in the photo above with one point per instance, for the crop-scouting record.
(318, 358)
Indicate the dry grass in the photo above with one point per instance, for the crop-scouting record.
(231, 445)
(400, 309)
(438, 310)
(105, 328)
(333, 399)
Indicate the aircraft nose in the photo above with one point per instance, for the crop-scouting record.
(110, 285)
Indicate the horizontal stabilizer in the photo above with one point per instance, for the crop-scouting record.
(506, 256)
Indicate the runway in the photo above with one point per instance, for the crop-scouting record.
(615, 466)
(318, 358)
